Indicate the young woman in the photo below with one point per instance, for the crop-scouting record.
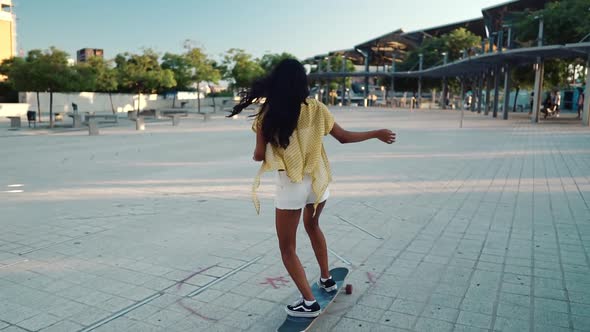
(289, 130)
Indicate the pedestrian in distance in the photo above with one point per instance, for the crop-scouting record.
(548, 105)
(289, 131)
(556, 102)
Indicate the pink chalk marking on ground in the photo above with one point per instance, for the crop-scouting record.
(194, 312)
(181, 282)
(186, 307)
(276, 282)
(371, 278)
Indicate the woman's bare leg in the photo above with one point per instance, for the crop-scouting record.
(286, 224)
(318, 241)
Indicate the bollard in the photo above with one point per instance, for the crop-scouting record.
(92, 127)
(139, 123)
(77, 120)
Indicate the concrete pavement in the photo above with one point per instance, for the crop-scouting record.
(484, 228)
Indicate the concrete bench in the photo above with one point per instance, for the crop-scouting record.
(102, 118)
(93, 127)
(175, 115)
(77, 120)
(14, 121)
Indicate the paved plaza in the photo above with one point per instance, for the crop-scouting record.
(483, 228)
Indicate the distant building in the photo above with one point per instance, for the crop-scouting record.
(86, 53)
(7, 30)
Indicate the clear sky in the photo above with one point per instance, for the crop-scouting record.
(303, 28)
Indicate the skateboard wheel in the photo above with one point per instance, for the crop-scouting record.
(348, 289)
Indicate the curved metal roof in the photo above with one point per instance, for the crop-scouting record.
(479, 63)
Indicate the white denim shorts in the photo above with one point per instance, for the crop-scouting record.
(294, 196)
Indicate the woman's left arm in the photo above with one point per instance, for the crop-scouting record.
(260, 149)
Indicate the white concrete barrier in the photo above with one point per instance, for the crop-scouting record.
(7, 109)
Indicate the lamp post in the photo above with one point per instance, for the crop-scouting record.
(343, 69)
(509, 36)
(445, 89)
(539, 73)
(328, 69)
(393, 58)
(506, 70)
(421, 60)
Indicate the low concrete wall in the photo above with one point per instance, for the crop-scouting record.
(13, 110)
(93, 102)
(101, 102)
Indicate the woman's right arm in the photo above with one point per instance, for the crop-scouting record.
(344, 136)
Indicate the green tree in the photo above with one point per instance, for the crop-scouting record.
(142, 73)
(566, 21)
(41, 71)
(180, 66)
(19, 72)
(98, 75)
(432, 49)
(55, 75)
(241, 68)
(190, 69)
(203, 69)
(7, 79)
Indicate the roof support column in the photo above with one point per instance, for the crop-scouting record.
(507, 88)
(538, 89)
(473, 91)
(496, 88)
(343, 87)
(445, 86)
(366, 92)
(326, 98)
(393, 58)
(461, 102)
(586, 110)
(489, 77)
(445, 92)
(420, 63)
(480, 92)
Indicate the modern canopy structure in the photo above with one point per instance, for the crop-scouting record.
(478, 67)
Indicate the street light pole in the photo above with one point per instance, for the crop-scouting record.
(539, 73)
(445, 89)
(393, 57)
(421, 60)
(328, 69)
(343, 69)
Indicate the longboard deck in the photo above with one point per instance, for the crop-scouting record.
(298, 324)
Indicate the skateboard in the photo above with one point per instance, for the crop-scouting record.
(300, 324)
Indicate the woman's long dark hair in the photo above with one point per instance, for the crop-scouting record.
(284, 90)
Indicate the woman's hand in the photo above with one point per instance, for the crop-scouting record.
(386, 136)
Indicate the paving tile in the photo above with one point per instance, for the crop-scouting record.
(551, 318)
(440, 313)
(396, 319)
(348, 324)
(454, 236)
(63, 326)
(39, 322)
(407, 307)
(428, 324)
(474, 319)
